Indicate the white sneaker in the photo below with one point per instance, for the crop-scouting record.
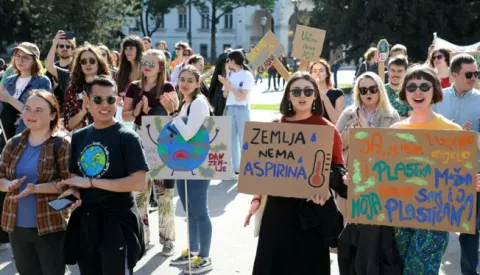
(235, 176)
(4, 246)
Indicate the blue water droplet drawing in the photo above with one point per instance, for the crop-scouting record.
(300, 160)
(314, 137)
(245, 146)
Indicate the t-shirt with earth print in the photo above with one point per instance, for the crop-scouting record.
(401, 107)
(111, 153)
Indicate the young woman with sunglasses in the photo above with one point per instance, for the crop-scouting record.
(151, 96)
(295, 234)
(333, 98)
(87, 64)
(440, 61)
(237, 86)
(195, 107)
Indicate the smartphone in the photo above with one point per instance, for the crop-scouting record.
(60, 204)
(69, 35)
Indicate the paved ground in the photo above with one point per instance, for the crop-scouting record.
(233, 247)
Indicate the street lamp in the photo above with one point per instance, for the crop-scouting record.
(263, 21)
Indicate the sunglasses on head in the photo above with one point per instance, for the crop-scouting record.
(469, 75)
(90, 60)
(298, 92)
(364, 90)
(146, 63)
(109, 99)
(424, 87)
(64, 46)
(440, 56)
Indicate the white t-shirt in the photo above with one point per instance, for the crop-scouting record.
(20, 85)
(199, 110)
(241, 80)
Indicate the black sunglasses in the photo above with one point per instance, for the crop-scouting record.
(424, 87)
(109, 99)
(469, 75)
(90, 60)
(364, 90)
(64, 46)
(440, 56)
(306, 92)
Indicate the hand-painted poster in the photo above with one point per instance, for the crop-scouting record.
(206, 156)
(413, 178)
(288, 160)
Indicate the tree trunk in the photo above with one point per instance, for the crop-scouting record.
(213, 41)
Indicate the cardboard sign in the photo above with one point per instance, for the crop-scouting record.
(285, 159)
(383, 50)
(308, 43)
(265, 53)
(205, 156)
(413, 178)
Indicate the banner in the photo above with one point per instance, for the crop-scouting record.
(442, 43)
(206, 156)
(284, 159)
(308, 43)
(413, 178)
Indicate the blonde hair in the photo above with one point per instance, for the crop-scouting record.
(370, 53)
(383, 105)
(162, 74)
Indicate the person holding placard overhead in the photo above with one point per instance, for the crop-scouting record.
(296, 234)
(237, 87)
(195, 108)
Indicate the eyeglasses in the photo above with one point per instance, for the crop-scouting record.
(469, 75)
(364, 90)
(109, 99)
(146, 63)
(439, 57)
(298, 92)
(424, 87)
(90, 60)
(178, 48)
(61, 46)
(22, 58)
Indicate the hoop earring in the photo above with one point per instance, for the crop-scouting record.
(290, 106)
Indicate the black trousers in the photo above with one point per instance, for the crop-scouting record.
(3, 234)
(37, 255)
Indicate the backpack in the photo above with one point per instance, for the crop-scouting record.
(57, 143)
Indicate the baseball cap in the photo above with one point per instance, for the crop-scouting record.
(29, 48)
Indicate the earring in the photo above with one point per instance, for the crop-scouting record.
(313, 106)
(289, 106)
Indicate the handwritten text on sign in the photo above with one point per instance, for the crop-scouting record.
(265, 53)
(308, 43)
(413, 178)
(287, 160)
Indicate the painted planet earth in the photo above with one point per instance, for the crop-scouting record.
(93, 160)
(178, 154)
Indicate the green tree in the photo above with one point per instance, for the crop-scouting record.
(359, 23)
(14, 22)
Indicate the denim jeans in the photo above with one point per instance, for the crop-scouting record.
(469, 248)
(272, 75)
(199, 223)
(240, 114)
(335, 75)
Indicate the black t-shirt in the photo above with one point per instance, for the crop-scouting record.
(332, 94)
(112, 153)
(63, 80)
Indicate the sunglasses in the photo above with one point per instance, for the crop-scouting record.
(364, 90)
(424, 87)
(68, 47)
(109, 99)
(177, 49)
(469, 75)
(90, 60)
(146, 63)
(298, 92)
(440, 56)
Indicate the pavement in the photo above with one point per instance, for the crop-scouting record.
(233, 246)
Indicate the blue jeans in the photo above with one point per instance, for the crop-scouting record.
(199, 223)
(469, 248)
(272, 74)
(334, 72)
(240, 114)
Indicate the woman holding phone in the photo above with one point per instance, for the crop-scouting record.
(28, 177)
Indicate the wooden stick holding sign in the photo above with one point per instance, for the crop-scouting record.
(308, 45)
(382, 56)
(266, 54)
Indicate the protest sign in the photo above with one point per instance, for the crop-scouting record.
(383, 52)
(413, 178)
(206, 156)
(308, 43)
(283, 159)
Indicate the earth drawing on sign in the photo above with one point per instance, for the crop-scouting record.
(93, 160)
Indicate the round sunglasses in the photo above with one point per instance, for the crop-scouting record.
(364, 90)
(424, 87)
(298, 92)
(90, 60)
(146, 63)
(109, 99)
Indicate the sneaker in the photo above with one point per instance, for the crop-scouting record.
(182, 259)
(4, 246)
(200, 265)
(235, 176)
(168, 249)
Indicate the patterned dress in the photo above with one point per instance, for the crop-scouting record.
(402, 107)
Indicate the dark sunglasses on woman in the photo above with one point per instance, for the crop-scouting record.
(424, 87)
(298, 92)
(439, 57)
(469, 75)
(109, 99)
(364, 90)
(90, 60)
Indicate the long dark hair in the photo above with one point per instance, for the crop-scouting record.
(78, 77)
(284, 105)
(239, 58)
(125, 69)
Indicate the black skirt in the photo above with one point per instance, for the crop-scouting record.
(284, 247)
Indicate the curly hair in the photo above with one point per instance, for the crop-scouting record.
(77, 75)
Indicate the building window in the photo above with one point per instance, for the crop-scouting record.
(205, 18)
(182, 18)
(204, 50)
(228, 21)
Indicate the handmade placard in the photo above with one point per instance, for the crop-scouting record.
(413, 178)
(308, 43)
(206, 156)
(283, 159)
(265, 53)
